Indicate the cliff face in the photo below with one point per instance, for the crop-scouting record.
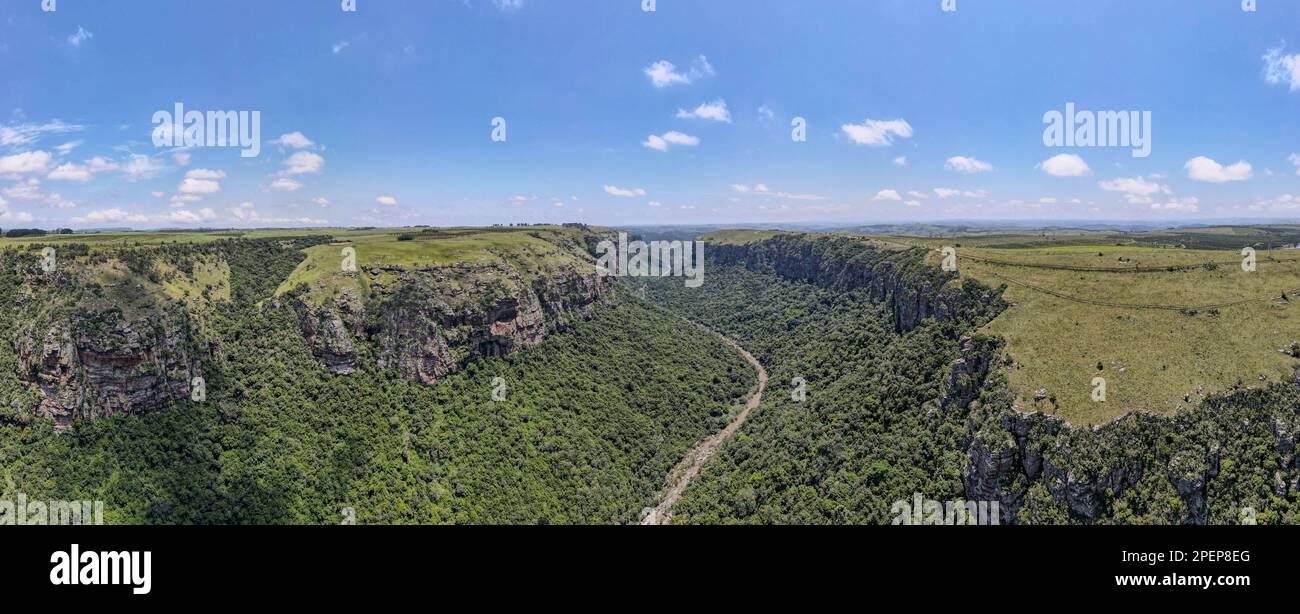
(913, 290)
(103, 363)
(429, 322)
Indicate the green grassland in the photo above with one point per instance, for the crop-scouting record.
(531, 249)
(1190, 323)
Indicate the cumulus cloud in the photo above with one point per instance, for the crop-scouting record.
(963, 164)
(664, 73)
(285, 184)
(303, 162)
(1065, 165)
(201, 181)
(901, 161)
(70, 172)
(877, 132)
(191, 217)
(1205, 169)
(715, 111)
(1280, 68)
(946, 192)
(387, 201)
(140, 167)
(1136, 190)
(668, 139)
(887, 195)
(624, 193)
(1179, 205)
(26, 162)
(110, 216)
(295, 140)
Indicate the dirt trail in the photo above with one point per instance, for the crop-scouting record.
(690, 466)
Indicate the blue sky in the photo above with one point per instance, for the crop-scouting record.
(912, 112)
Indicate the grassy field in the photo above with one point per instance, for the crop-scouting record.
(1190, 323)
(529, 248)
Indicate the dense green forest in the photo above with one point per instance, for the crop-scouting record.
(591, 422)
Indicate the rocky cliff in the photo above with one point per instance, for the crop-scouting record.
(92, 350)
(426, 322)
(912, 289)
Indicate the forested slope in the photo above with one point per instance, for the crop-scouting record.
(899, 404)
(587, 425)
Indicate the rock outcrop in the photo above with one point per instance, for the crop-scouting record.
(900, 279)
(429, 322)
(103, 364)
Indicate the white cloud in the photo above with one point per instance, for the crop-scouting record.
(69, 146)
(624, 193)
(70, 172)
(387, 201)
(340, 46)
(203, 173)
(200, 181)
(668, 139)
(303, 162)
(887, 195)
(21, 135)
(25, 190)
(975, 193)
(913, 203)
(26, 162)
(110, 216)
(664, 73)
(1202, 168)
(946, 192)
(1048, 200)
(1181, 205)
(508, 5)
(140, 168)
(740, 188)
(285, 184)
(1279, 68)
(198, 186)
(1295, 160)
(321, 201)
(295, 140)
(1136, 190)
(182, 158)
(81, 172)
(878, 132)
(185, 216)
(80, 36)
(963, 164)
(716, 111)
(1065, 165)
(901, 161)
